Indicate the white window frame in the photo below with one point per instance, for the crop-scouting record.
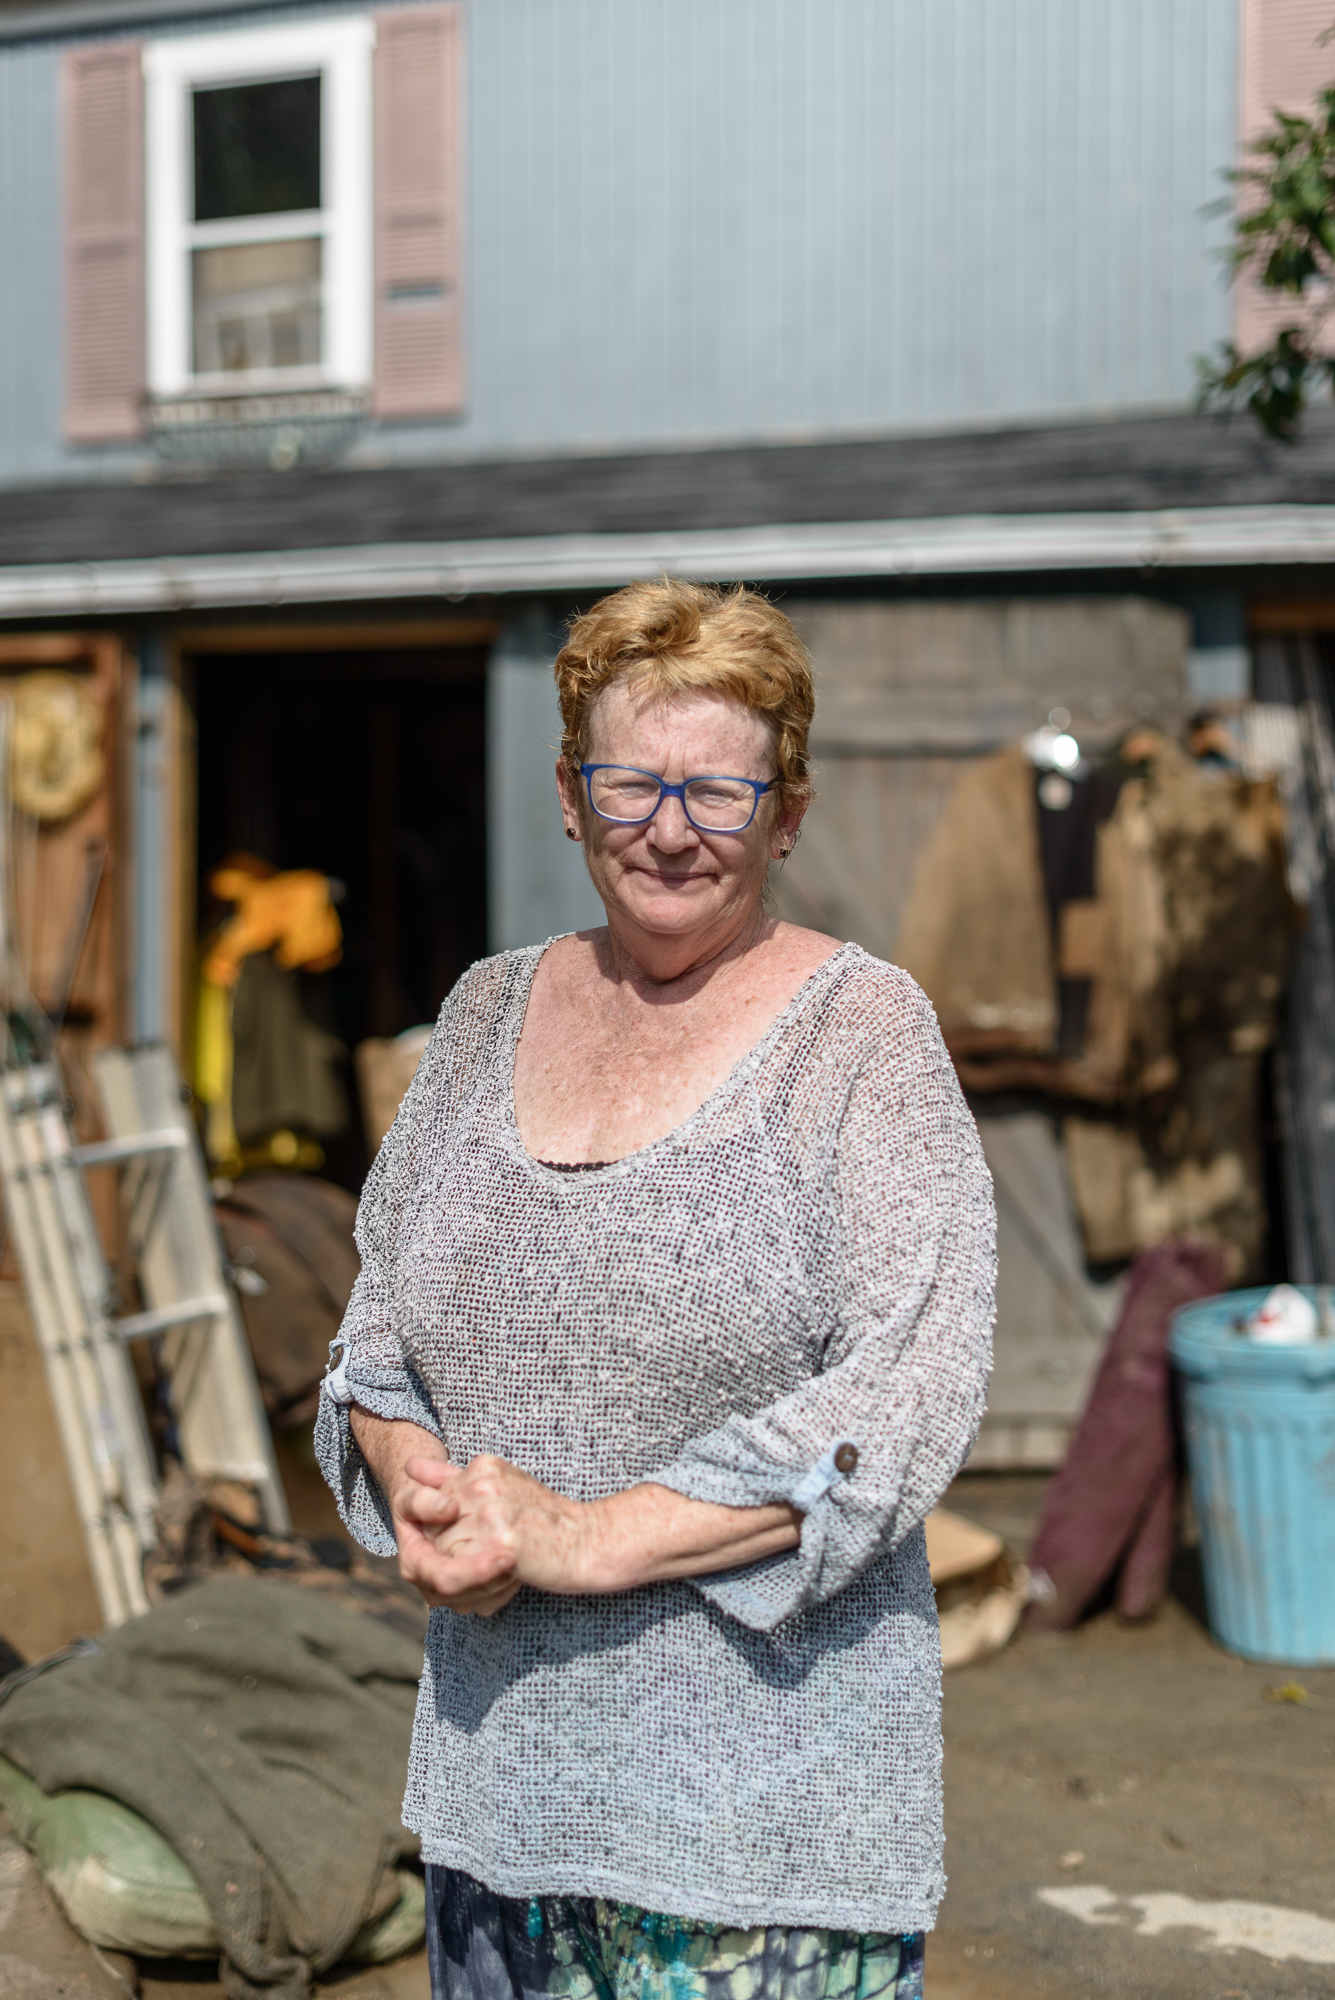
(339, 49)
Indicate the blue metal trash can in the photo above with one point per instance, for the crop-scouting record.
(1260, 1425)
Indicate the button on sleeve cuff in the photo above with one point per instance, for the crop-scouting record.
(726, 1469)
(835, 1464)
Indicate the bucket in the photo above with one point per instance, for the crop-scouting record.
(1260, 1427)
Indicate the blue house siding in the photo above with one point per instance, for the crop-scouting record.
(30, 258)
(703, 221)
(708, 219)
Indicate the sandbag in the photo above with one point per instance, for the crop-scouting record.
(123, 1887)
(262, 1731)
(117, 1880)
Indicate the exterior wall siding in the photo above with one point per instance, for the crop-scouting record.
(714, 220)
(31, 277)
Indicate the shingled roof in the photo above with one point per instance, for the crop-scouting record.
(1118, 466)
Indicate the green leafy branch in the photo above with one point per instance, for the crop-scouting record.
(1284, 234)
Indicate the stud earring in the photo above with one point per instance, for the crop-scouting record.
(571, 833)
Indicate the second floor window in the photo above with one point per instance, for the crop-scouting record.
(257, 237)
(259, 209)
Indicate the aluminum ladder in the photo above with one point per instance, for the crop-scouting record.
(173, 1242)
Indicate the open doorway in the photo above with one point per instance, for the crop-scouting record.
(369, 767)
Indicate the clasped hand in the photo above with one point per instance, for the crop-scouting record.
(470, 1536)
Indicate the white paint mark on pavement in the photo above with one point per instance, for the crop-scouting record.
(1267, 1928)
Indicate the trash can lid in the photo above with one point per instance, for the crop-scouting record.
(1209, 1339)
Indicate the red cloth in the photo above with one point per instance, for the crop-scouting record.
(1113, 1504)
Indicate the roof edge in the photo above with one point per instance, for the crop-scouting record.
(1170, 539)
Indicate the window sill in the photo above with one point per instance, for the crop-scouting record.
(276, 427)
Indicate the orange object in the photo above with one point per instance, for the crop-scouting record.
(290, 914)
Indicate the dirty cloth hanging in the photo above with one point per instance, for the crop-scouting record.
(285, 1069)
(976, 933)
(1071, 810)
(264, 1732)
(1193, 955)
(1130, 962)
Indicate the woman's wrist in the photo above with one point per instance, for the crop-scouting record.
(389, 1446)
(602, 1556)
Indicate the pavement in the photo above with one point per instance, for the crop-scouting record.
(1130, 1812)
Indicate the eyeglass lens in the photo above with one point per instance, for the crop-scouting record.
(723, 805)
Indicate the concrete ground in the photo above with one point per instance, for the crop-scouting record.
(1083, 1770)
(1145, 1762)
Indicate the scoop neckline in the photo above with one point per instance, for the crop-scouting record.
(609, 1169)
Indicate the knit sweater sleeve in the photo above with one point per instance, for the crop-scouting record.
(866, 1447)
(368, 1367)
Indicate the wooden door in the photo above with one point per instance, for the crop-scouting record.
(66, 901)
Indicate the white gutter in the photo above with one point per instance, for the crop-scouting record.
(1213, 537)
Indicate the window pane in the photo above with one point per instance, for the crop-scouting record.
(257, 148)
(257, 305)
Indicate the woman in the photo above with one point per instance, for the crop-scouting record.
(673, 1324)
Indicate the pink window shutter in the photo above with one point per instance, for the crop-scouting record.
(102, 115)
(1284, 64)
(419, 361)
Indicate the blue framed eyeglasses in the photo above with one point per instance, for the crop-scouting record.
(630, 797)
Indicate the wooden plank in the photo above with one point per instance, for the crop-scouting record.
(948, 676)
(48, 649)
(46, 1584)
(341, 636)
(1052, 1322)
(53, 859)
(51, 875)
(1267, 616)
(183, 893)
(850, 873)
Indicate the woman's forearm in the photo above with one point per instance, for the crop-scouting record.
(470, 1536)
(649, 1533)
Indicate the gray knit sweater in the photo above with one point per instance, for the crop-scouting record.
(806, 1261)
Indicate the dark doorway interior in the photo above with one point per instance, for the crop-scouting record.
(371, 767)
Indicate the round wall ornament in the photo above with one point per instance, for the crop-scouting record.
(56, 761)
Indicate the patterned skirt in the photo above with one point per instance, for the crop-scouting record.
(488, 1947)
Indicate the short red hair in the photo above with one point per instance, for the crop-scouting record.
(668, 638)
